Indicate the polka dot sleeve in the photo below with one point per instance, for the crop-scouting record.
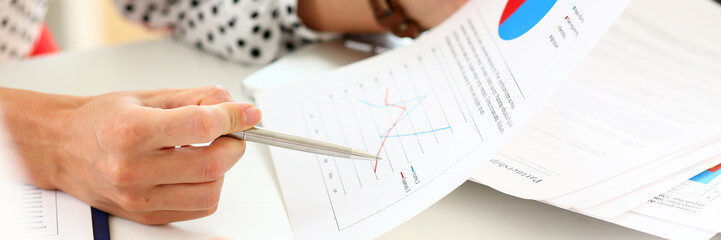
(19, 27)
(246, 31)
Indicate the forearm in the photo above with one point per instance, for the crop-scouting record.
(35, 121)
(350, 16)
(357, 16)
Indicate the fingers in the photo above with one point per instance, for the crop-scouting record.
(173, 98)
(140, 200)
(185, 197)
(156, 217)
(181, 165)
(175, 197)
(165, 217)
(200, 124)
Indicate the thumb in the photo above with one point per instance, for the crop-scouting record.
(197, 124)
(242, 116)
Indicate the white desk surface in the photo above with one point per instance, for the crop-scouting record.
(251, 206)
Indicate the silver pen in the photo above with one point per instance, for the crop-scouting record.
(289, 141)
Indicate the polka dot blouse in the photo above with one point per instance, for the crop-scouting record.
(20, 22)
(247, 31)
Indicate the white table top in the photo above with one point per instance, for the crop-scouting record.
(251, 205)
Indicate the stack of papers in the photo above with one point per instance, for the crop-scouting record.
(498, 87)
(633, 127)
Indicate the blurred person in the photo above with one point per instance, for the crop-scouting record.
(259, 31)
(117, 151)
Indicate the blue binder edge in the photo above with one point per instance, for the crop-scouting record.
(101, 229)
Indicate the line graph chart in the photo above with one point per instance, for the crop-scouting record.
(415, 102)
(400, 115)
(419, 100)
(422, 113)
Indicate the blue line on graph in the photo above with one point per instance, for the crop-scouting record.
(419, 101)
(418, 133)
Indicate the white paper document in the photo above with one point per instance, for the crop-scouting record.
(662, 228)
(696, 202)
(51, 215)
(435, 112)
(629, 199)
(637, 117)
(638, 108)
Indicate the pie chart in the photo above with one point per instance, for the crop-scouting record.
(521, 15)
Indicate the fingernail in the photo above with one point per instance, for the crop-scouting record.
(252, 115)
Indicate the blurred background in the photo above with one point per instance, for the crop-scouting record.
(88, 24)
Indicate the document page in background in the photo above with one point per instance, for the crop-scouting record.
(662, 228)
(435, 112)
(647, 82)
(52, 215)
(696, 202)
(630, 199)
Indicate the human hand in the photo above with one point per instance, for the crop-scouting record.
(117, 151)
(430, 13)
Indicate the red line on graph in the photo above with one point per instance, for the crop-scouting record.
(402, 175)
(389, 129)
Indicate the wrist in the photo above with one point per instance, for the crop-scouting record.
(37, 124)
(391, 15)
(411, 10)
(430, 13)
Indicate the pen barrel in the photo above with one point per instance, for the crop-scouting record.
(289, 141)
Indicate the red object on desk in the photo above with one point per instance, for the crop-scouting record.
(45, 43)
